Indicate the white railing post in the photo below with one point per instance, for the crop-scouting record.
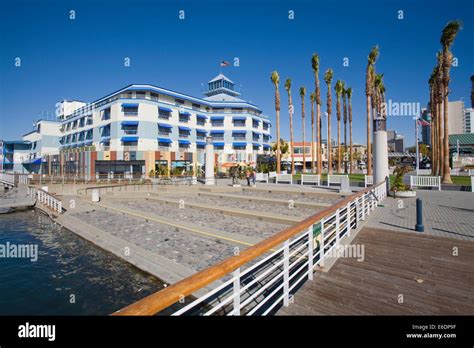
(236, 275)
(363, 207)
(310, 252)
(337, 226)
(286, 274)
(348, 219)
(321, 247)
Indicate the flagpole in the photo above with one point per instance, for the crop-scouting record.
(416, 145)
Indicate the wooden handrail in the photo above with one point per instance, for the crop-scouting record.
(166, 297)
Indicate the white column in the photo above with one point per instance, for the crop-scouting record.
(380, 156)
(209, 162)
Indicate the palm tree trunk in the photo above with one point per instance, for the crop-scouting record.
(369, 147)
(304, 138)
(319, 148)
(329, 146)
(292, 143)
(312, 138)
(339, 145)
(278, 141)
(440, 140)
(350, 147)
(345, 146)
(446, 169)
(433, 140)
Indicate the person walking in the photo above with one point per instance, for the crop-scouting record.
(254, 177)
(247, 175)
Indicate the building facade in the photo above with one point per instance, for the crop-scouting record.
(144, 128)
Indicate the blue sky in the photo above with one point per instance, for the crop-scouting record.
(82, 59)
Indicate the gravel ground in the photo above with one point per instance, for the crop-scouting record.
(187, 249)
(287, 196)
(277, 209)
(239, 225)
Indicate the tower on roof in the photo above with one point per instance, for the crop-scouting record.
(221, 84)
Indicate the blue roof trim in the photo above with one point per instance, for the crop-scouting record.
(165, 109)
(239, 144)
(164, 140)
(184, 142)
(164, 125)
(130, 139)
(182, 128)
(129, 123)
(217, 118)
(130, 105)
(217, 132)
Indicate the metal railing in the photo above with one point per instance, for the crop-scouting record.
(271, 276)
(46, 199)
(14, 178)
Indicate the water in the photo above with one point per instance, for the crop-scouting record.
(67, 267)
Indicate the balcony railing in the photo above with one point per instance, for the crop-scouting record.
(259, 279)
(130, 148)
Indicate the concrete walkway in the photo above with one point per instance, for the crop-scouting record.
(445, 214)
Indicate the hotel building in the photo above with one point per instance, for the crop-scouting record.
(141, 128)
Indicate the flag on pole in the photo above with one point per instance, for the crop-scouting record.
(422, 122)
(224, 63)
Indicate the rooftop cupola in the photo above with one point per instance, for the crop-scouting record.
(221, 85)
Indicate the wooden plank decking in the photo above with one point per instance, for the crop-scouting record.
(421, 268)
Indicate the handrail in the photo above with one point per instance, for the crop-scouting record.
(162, 299)
(47, 199)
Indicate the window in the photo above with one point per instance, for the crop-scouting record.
(164, 114)
(179, 101)
(130, 110)
(106, 114)
(200, 121)
(154, 96)
(130, 130)
(196, 106)
(218, 110)
(105, 131)
(140, 95)
(239, 123)
(164, 130)
(266, 125)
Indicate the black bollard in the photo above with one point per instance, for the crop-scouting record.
(419, 216)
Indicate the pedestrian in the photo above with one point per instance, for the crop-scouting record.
(247, 175)
(254, 177)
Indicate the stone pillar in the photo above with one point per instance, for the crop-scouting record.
(380, 151)
(209, 162)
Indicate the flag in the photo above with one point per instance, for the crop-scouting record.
(422, 122)
(224, 63)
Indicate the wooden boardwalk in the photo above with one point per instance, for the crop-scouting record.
(417, 267)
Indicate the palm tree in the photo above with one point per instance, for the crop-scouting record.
(338, 88)
(438, 95)
(447, 38)
(276, 81)
(431, 83)
(302, 95)
(290, 110)
(312, 98)
(317, 90)
(344, 107)
(349, 102)
(369, 77)
(328, 78)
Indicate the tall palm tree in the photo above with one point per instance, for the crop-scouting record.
(290, 110)
(434, 160)
(302, 95)
(447, 38)
(276, 81)
(369, 77)
(349, 102)
(317, 90)
(338, 88)
(312, 98)
(344, 107)
(438, 95)
(328, 75)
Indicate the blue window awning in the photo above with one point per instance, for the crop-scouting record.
(130, 105)
(161, 108)
(129, 123)
(255, 144)
(184, 142)
(200, 143)
(201, 116)
(217, 132)
(217, 118)
(255, 120)
(239, 144)
(182, 128)
(184, 113)
(256, 133)
(129, 139)
(164, 125)
(203, 131)
(164, 140)
(215, 143)
(239, 118)
(239, 132)
(266, 146)
(265, 123)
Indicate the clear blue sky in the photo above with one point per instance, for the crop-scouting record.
(83, 58)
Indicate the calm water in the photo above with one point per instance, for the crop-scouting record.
(67, 265)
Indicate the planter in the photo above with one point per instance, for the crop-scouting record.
(403, 194)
